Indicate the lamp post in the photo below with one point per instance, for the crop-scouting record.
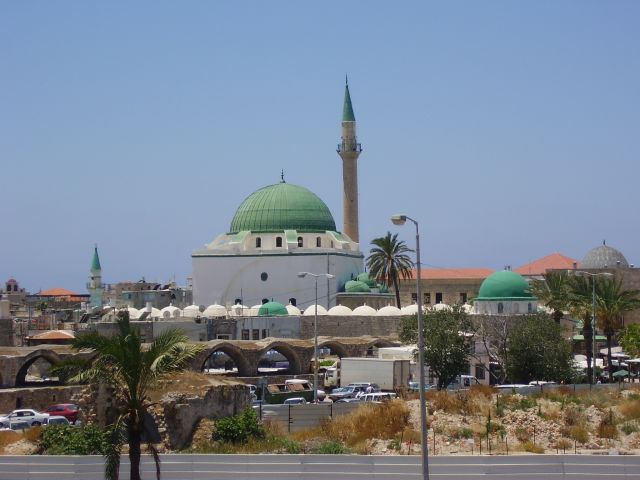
(579, 273)
(315, 330)
(400, 220)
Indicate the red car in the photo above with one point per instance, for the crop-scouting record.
(66, 410)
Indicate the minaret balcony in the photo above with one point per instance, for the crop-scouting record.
(349, 147)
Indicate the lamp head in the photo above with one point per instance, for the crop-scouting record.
(302, 274)
(398, 219)
(328, 275)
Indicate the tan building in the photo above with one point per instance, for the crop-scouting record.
(444, 285)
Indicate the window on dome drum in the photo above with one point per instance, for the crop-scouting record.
(463, 297)
(265, 333)
(245, 334)
(300, 241)
(529, 308)
(516, 308)
(427, 298)
(278, 241)
(438, 297)
(293, 301)
(258, 242)
(500, 308)
(318, 242)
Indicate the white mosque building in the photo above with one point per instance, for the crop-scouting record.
(279, 231)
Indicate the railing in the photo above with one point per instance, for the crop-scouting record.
(349, 147)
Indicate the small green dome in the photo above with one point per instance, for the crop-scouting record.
(283, 206)
(354, 286)
(272, 309)
(504, 285)
(365, 278)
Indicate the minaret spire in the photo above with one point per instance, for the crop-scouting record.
(95, 285)
(349, 150)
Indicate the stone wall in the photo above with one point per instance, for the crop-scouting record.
(350, 326)
(37, 398)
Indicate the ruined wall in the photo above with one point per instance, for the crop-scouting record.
(37, 398)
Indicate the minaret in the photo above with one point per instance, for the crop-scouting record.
(349, 149)
(95, 285)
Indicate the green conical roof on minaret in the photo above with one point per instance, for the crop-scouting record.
(95, 263)
(347, 110)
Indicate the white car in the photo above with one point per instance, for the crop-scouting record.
(32, 417)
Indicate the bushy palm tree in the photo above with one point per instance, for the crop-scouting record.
(388, 260)
(612, 302)
(554, 291)
(130, 369)
(580, 306)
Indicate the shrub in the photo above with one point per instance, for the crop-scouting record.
(607, 427)
(563, 444)
(443, 400)
(68, 440)
(629, 428)
(522, 434)
(532, 447)
(630, 409)
(579, 433)
(239, 428)
(573, 415)
(464, 432)
(331, 447)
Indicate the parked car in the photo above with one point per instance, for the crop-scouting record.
(32, 417)
(295, 401)
(415, 386)
(57, 420)
(66, 410)
(378, 397)
(345, 392)
(348, 400)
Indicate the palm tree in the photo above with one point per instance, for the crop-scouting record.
(388, 260)
(611, 304)
(130, 369)
(554, 292)
(580, 306)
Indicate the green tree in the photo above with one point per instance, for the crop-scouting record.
(554, 291)
(388, 260)
(130, 369)
(537, 350)
(630, 339)
(580, 306)
(448, 338)
(612, 302)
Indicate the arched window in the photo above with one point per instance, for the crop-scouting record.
(529, 308)
(318, 242)
(278, 241)
(500, 308)
(258, 242)
(299, 241)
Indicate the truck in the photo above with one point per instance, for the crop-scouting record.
(389, 374)
(279, 392)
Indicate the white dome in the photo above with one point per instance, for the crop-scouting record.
(293, 310)
(134, 313)
(192, 311)
(438, 307)
(340, 310)
(389, 311)
(364, 311)
(170, 312)
(215, 310)
(253, 311)
(410, 309)
(310, 311)
(155, 313)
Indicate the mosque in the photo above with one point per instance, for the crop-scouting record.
(279, 231)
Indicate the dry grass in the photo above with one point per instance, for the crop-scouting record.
(630, 409)
(531, 447)
(188, 382)
(445, 401)
(383, 421)
(32, 434)
(7, 438)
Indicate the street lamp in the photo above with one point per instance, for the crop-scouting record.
(400, 220)
(315, 330)
(580, 273)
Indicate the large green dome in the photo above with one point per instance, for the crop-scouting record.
(504, 285)
(282, 206)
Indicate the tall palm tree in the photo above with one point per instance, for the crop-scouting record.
(388, 260)
(580, 306)
(130, 368)
(612, 302)
(554, 291)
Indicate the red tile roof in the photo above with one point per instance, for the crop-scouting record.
(57, 292)
(555, 261)
(54, 335)
(453, 273)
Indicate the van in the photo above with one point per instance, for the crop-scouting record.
(378, 397)
(463, 382)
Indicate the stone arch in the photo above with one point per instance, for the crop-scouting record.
(295, 364)
(30, 359)
(338, 348)
(237, 355)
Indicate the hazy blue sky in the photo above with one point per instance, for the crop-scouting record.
(509, 129)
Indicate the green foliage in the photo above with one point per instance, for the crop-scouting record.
(554, 291)
(629, 428)
(388, 261)
(446, 348)
(629, 338)
(331, 447)
(69, 440)
(537, 350)
(239, 428)
(532, 447)
(464, 432)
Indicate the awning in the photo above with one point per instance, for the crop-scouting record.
(599, 338)
(621, 373)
